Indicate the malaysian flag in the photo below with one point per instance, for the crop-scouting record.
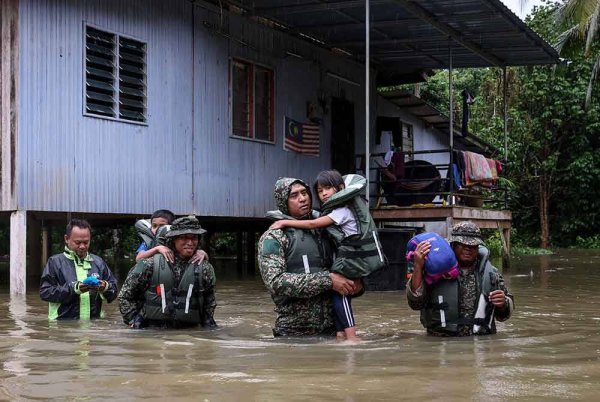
(299, 137)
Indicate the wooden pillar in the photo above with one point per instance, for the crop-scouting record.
(34, 243)
(18, 254)
(251, 252)
(45, 243)
(505, 238)
(449, 224)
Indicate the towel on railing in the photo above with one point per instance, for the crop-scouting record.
(477, 169)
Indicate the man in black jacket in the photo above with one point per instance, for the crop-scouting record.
(76, 282)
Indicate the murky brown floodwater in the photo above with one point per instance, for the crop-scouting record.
(550, 349)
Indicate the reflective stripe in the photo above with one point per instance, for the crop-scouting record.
(53, 310)
(163, 298)
(188, 297)
(378, 245)
(347, 311)
(305, 262)
(442, 312)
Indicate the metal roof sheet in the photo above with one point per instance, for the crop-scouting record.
(410, 37)
(416, 106)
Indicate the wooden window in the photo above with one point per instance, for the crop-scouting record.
(252, 101)
(115, 76)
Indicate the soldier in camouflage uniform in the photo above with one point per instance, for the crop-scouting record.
(294, 265)
(481, 297)
(179, 294)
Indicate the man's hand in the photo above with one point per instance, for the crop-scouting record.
(166, 252)
(341, 284)
(358, 285)
(82, 288)
(420, 254)
(498, 299)
(198, 257)
(102, 287)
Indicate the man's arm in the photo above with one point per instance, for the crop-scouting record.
(415, 288)
(51, 288)
(318, 223)
(132, 292)
(504, 311)
(272, 265)
(210, 302)
(108, 292)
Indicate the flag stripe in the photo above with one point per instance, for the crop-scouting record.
(301, 138)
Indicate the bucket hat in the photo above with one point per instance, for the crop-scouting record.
(466, 233)
(185, 225)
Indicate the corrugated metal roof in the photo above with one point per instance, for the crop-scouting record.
(434, 118)
(410, 37)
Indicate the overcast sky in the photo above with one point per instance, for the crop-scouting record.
(515, 6)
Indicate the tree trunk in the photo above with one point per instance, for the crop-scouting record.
(544, 202)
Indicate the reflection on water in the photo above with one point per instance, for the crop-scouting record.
(549, 349)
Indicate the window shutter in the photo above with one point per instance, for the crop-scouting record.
(132, 80)
(100, 72)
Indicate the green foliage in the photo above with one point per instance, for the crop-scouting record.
(531, 251)
(592, 242)
(223, 244)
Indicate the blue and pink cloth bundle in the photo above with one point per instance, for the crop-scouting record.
(440, 263)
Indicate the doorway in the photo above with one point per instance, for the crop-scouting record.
(342, 136)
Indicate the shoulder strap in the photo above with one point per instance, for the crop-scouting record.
(144, 231)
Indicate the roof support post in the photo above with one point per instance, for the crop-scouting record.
(451, 117)
(367, 100)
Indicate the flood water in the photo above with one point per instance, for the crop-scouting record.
(549, 349)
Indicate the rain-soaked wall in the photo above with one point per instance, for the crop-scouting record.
(184, 158)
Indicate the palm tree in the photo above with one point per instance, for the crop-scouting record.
(580, 20)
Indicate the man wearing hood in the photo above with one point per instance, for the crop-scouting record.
(467, 305)
(174, 294)
(294, 265)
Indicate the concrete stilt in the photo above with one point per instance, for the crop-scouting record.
(18, 254)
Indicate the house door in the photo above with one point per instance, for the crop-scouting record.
(342, 136)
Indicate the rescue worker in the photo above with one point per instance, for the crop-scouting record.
(172, 295)
(467, 305)
(294, 265)
(75, 282)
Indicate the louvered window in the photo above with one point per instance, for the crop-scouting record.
(115, 73)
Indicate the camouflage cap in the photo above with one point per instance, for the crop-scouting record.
(282, 192)
(466, 233)
(185, 225)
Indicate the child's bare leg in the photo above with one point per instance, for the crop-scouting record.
(340, 336)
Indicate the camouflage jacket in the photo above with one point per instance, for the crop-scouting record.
(468, 296)
(302, 301)
(132, 294)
